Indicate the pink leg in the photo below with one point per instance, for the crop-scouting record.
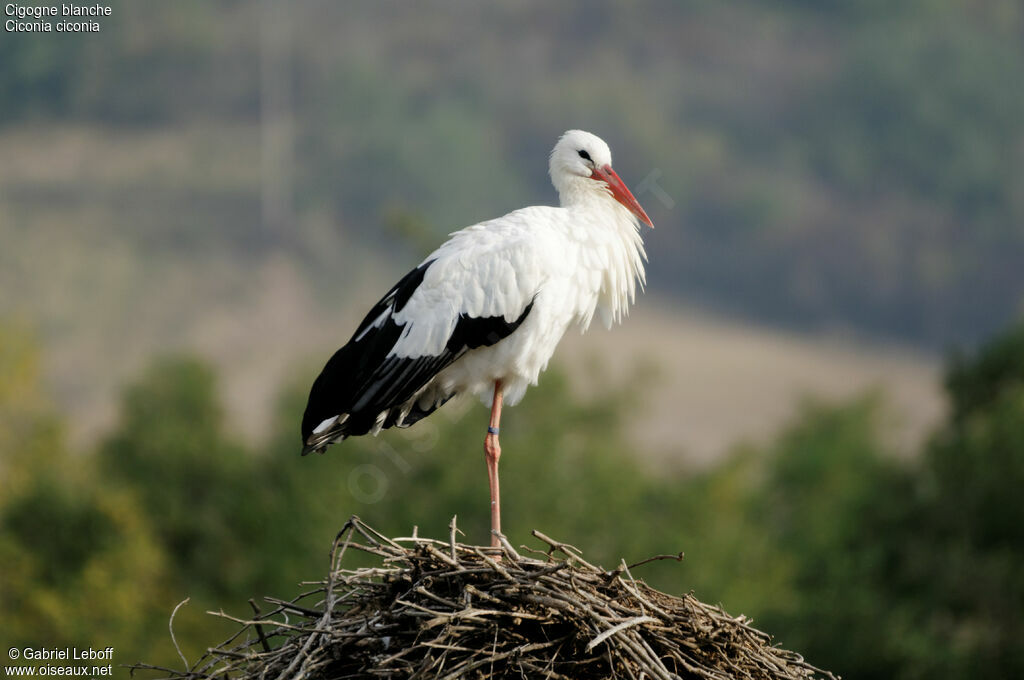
(492, 452)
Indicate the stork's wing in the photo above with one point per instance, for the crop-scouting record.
(473, 291)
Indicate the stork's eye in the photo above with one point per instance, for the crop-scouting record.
(584, 155)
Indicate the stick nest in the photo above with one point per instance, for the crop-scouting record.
(436, 609)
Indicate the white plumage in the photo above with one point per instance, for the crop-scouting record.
(484, 312)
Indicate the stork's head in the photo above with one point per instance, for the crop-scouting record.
(581, 167)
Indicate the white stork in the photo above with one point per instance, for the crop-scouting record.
(483, 313)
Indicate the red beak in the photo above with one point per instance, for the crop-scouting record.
(621, 192)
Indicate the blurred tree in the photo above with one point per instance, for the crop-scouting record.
(976, 382)
(968, 562)
(190, 477)
(79, 566)
(232, 524)
(828, 506)
(28, 425)
(304, 501)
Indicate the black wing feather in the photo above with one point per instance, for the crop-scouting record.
(360, 381)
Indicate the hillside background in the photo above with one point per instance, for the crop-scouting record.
(198, 202)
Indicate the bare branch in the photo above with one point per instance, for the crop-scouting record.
(170, 627)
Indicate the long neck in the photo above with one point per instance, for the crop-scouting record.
(611, 235)
(577, 191)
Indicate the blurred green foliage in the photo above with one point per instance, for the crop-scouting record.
(870, 565)
(80, 561)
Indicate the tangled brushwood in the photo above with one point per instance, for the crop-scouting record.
(436, 609)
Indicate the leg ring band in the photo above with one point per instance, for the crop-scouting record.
(492, 430)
